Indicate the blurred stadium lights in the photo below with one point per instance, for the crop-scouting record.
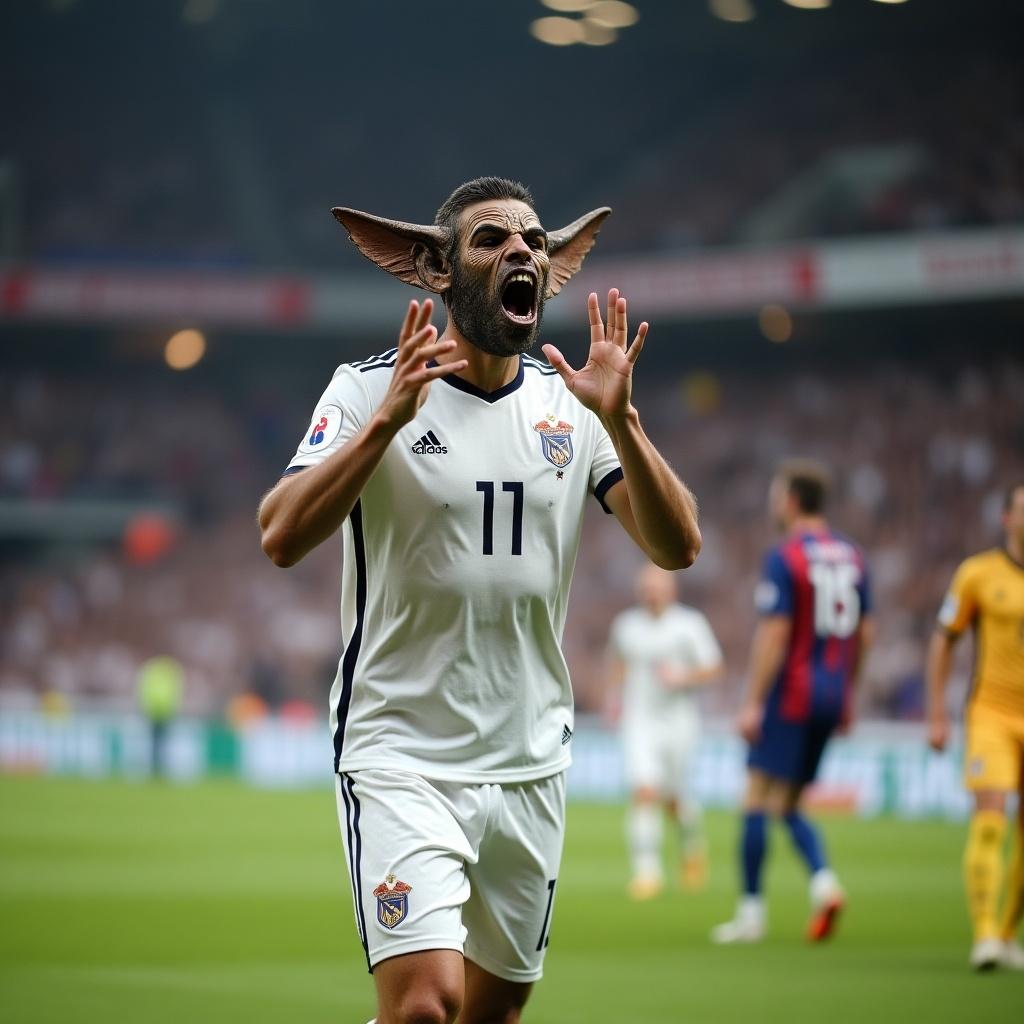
(184, 349)
(732, 10)
(598, 26)
(776, 324)
(558, 31)
(809, 5)
(612, 14)
(595, 34)
(890, 1)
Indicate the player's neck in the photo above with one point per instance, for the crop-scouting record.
(1015, 549)
(808, 524)
(486, 372)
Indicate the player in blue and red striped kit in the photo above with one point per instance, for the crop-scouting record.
(814, 605)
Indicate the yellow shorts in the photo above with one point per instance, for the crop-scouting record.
(994, 749)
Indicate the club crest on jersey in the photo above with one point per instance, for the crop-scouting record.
(555, 440)
(392, 901)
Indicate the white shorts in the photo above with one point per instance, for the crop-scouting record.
(444, 865)
(659, 752)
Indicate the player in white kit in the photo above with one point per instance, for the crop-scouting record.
(662, 654)
(458, 469)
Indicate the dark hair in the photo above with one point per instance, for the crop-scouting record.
(1010, 492)
(808, 481)
(476, 191)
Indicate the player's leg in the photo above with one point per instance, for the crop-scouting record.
(992, 772)
(510, 912)
(1013, 908)
(407, 843)
(644, 835)
(748, 924)
(826, 895)
(642, 749)
(492, 1000)
(683, 807)
(420, 988)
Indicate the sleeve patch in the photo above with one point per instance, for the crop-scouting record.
(323, 429)
(949, 610)
(766, 596)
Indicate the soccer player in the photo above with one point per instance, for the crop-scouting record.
(662, 653)
(987, 593)
(458, 468)
(814, 603)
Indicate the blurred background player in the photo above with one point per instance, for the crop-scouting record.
(662, 652)
(987, 593)
(814, 603)
(160, 690)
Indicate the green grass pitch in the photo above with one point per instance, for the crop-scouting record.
(155, 903)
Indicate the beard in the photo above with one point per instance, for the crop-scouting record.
(478, 315)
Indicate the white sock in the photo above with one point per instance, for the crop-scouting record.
(644, 829)
(751, 908)
(691, 833)
(824, 886)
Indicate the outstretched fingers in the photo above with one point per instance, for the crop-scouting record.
(444, 369)
(558, 361)
(594, 312)
(416, 318)
(634, 350)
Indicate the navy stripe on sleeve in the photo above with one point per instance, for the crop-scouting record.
(607, 483)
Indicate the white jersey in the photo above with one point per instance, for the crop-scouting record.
(458, 559)
(681, 637)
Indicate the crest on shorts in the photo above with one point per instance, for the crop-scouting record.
(392, 901)
(555, 440)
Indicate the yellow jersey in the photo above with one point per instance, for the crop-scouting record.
(987, 593)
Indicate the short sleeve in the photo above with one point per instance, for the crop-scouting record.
(961, 602)
(343, 410)
(774, 592)
(605, 470)
(707, 652)
(864, 589)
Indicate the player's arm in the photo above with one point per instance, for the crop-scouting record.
(957, 612)
(615, 676)
(767, 655)
(939, 666)
(651, 502)
(306, 508)
(677, 677)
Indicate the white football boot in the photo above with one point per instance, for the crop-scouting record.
(986, 954)
(748, 925)
(1012, 956)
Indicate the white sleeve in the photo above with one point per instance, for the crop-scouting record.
(706, 650)
(343, 410)
(605, 470)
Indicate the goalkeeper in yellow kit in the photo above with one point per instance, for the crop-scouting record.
(987, 593)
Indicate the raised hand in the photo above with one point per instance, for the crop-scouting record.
(604, 384)
(410, 383)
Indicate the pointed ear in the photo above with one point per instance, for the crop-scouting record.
(414, 253)
(568, 247)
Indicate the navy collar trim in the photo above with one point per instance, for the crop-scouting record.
(488, 396)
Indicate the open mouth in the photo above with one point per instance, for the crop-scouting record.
(519, 297)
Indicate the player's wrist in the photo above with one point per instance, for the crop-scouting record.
(622, 419)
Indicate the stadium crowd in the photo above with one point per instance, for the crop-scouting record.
(919, 146)
(78, 617)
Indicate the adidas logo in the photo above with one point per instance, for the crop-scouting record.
(428, 444)
(566, 734)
